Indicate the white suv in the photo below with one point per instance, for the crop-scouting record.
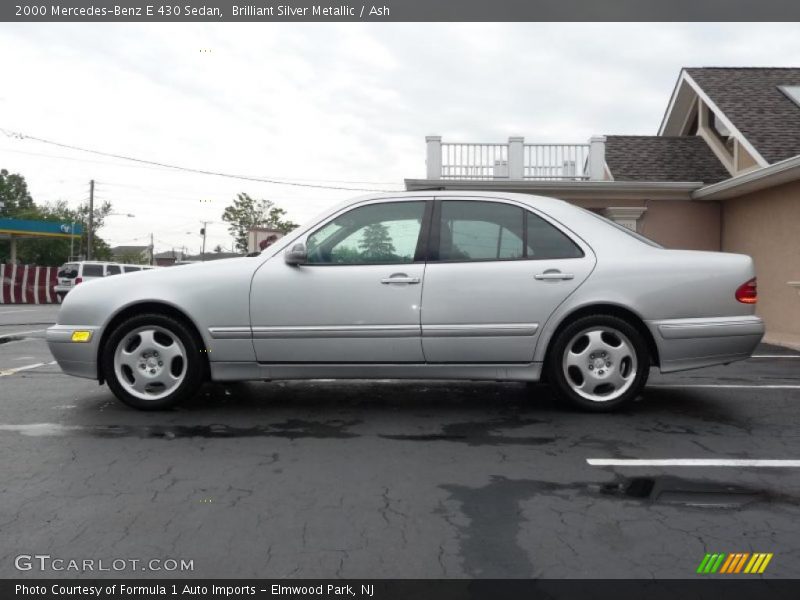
(72, 273)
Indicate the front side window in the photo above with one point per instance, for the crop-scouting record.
(385, 233)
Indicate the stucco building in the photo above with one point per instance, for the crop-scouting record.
(722, 173)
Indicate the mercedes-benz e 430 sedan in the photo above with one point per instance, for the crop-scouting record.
(420, 285)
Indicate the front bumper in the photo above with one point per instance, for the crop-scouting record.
(693, 343)
(74, 358)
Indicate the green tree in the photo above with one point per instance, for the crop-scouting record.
(247, 212)
(376, 243)
(218, 249)
(14, 194)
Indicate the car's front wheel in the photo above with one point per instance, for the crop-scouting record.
(598, 363)
(152, 362)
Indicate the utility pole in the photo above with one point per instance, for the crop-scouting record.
(152, 251)
(91, 221)
(203, 233)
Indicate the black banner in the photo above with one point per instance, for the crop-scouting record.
(399, 10)
(730, 588)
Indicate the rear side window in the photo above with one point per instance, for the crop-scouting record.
(545, 241)
(473, 231)
(113, 270)
(68, 271)
(480, 231)
(132, 269)
(92, 270)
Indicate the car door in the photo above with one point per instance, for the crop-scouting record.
(496, 272)
(357, 297)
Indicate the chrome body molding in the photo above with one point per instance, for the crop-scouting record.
(678, 329)
(230, 333)
(237, 371)
(339, 331)
(379, 331)
(482, 330)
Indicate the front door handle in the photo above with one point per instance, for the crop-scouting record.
(553, 275)
(400, 278)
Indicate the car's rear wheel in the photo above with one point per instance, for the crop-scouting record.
(152, 362)
(598, 363)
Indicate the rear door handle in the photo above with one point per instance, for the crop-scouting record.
(554, 275)
(400, 278)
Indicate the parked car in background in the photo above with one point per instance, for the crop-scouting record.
(74, 273)
(437, 285)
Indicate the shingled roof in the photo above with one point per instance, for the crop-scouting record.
(750, 98)
(660, 158)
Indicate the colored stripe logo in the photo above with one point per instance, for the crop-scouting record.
(736, 562)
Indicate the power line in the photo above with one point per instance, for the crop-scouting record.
(22, 136)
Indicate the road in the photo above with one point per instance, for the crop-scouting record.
(395, 479)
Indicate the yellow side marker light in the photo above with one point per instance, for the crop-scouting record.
(81, 336)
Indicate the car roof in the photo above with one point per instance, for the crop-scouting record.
(545, 203)
(466, 194)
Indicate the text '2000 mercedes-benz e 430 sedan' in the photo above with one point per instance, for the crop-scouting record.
(419, 285)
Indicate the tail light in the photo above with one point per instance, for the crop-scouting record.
(80, 280)
(747, 293)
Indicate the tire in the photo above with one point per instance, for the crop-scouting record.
(598, 363)
(153, 362)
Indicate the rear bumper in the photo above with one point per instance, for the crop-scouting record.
(74, 358)
(693, 343)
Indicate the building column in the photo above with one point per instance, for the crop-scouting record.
(516, 157)
(13, 251)
(627, 216)
(433, 159)
(597, 158)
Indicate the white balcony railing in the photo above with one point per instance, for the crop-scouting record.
(515, 160)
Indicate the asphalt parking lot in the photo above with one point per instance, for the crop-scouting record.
(395, 479)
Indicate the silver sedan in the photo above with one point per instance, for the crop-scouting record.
(420, 285)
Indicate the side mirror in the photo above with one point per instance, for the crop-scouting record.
(296, 255)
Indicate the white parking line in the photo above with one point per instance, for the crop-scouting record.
(692, 462)
(13, 312)
(5, 372)
(775, 356)
(16, 333)
(777, 386)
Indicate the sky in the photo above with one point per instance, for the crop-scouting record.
(339, 105)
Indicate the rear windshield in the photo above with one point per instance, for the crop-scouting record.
(68, 271)
(92, 270)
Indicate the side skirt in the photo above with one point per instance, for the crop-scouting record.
(242, 371)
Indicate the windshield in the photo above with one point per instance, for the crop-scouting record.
(630, 232)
